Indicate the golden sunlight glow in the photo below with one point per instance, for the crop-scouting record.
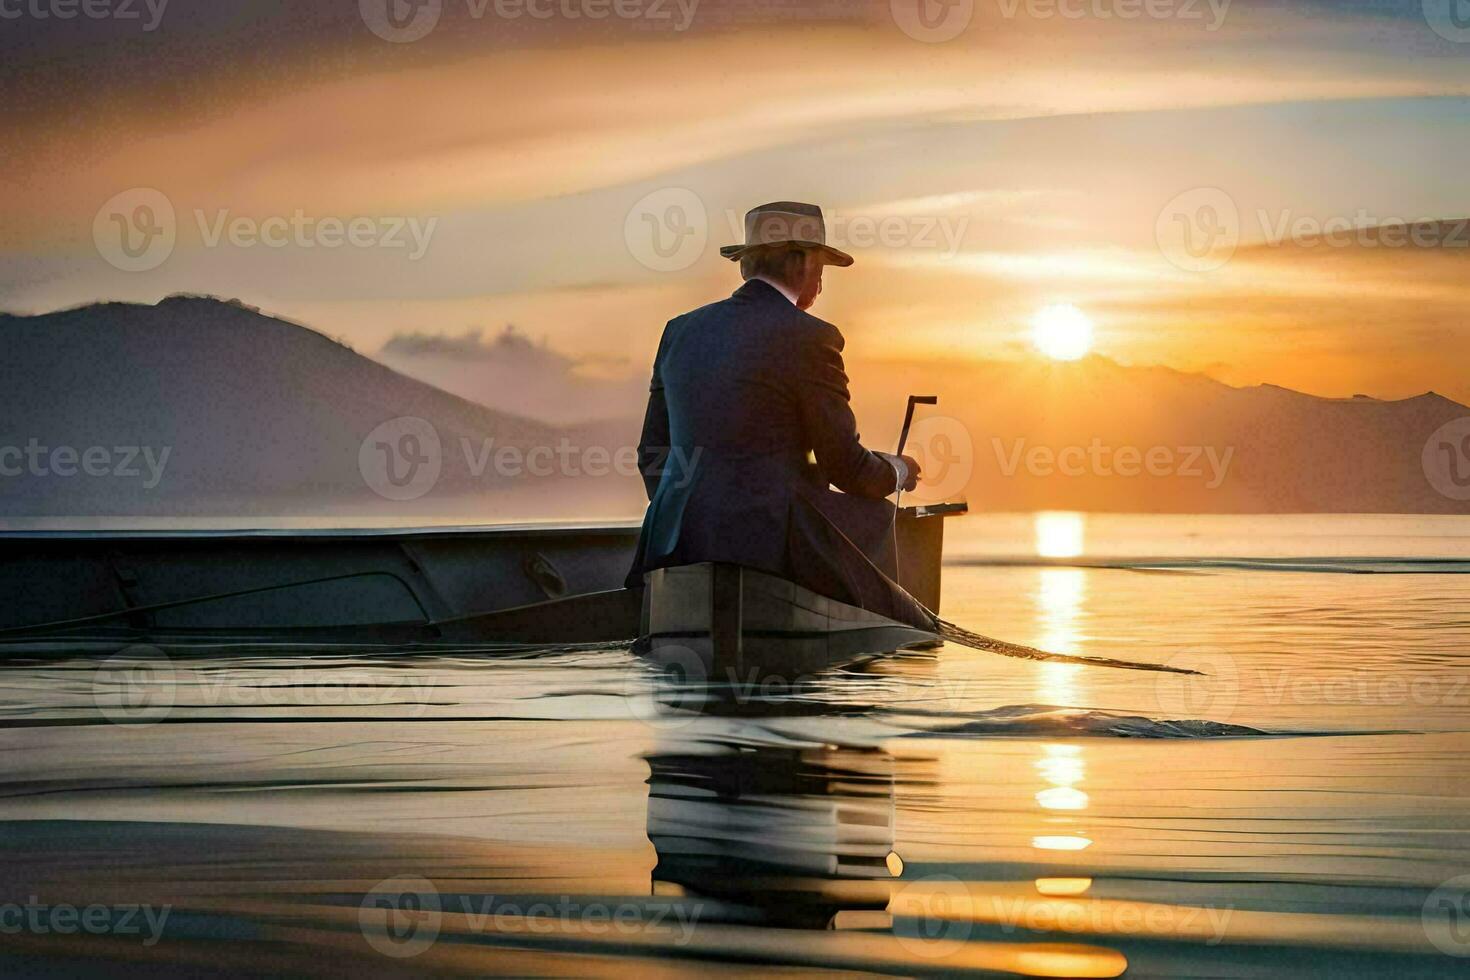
(1075, 961)
(1061, 765)
(1060, 842)
(1059, 534)
(1062, 332)
(1063, 887)
(1062, 798)
(1059, 599)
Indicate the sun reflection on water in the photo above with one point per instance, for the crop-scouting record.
(1059, 597)
(1062, 798)
(1062, 768)
(1060, 533)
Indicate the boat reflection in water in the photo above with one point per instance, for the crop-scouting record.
(750, 830)
(776, 836)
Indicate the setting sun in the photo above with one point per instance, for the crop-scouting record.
(1062, 332)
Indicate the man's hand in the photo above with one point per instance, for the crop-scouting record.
(906, 470)
(914, 472)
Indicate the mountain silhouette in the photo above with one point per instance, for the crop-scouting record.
(258, 415)
(1287, 452)
(262, 417)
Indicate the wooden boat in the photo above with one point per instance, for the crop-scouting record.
(406, 590)
(725, 624)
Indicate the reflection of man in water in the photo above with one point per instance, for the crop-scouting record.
(753, 827)
(752, 388)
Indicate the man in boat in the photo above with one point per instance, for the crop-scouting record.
(749, 427)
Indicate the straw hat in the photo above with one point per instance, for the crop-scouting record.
(786, 223)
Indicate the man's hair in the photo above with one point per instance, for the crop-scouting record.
(771, 261)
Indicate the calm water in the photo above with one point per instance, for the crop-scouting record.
(950, 811)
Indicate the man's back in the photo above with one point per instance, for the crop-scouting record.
(730, 374)
(743, 390)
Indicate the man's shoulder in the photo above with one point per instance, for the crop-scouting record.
(796, 328)
(717, 310)
(817, 330)
(793, 323)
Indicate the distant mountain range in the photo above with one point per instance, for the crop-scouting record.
(197, 406)
(202, 407)
(1048, 435)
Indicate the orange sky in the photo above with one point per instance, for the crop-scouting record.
(1029, 160)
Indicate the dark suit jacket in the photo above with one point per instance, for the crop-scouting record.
(748, 423)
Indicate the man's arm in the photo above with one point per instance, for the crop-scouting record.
(653, 446)
(830, 425)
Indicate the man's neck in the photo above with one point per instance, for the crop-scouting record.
(781, 288)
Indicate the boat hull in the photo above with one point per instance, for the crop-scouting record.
(396, 588)
(726, 624)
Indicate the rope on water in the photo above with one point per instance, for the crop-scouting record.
(975, 641)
